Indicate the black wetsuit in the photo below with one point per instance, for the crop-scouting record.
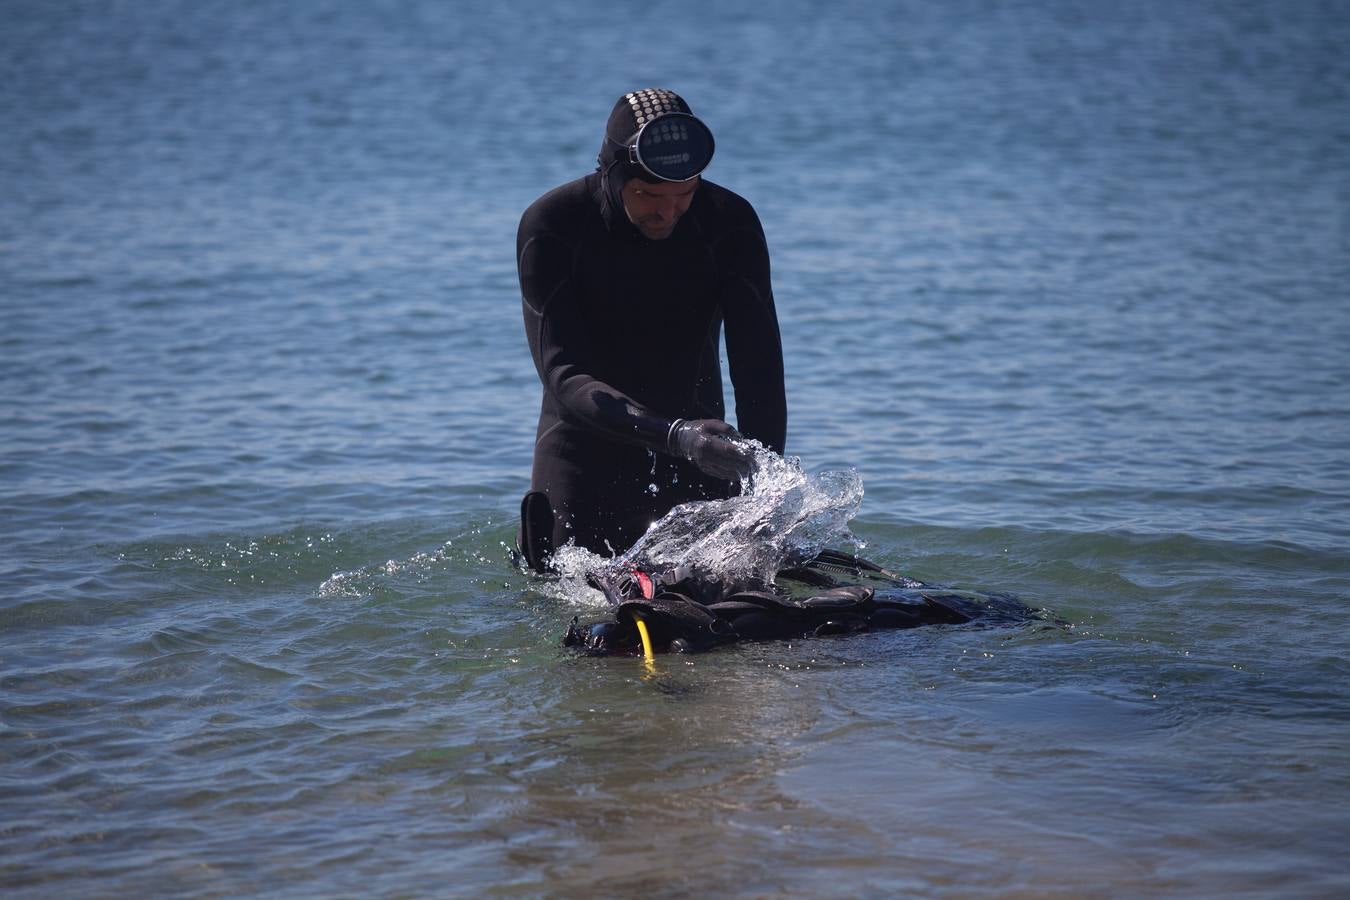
(625, 334)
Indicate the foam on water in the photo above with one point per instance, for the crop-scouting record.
(783, 517)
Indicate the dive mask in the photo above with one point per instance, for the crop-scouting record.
(673, 146)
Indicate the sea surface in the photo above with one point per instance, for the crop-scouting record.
(1066, 282)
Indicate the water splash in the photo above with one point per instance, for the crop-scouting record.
(783, 518)
(364, 582)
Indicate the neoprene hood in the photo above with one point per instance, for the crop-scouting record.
(652, 134)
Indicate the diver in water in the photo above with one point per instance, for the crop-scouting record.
(628, 277)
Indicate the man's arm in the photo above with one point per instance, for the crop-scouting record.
(754, 346)
(555, 327)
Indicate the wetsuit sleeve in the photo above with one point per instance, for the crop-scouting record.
(754, 346)
(555, 325)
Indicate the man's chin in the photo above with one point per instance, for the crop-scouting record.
(657, 233)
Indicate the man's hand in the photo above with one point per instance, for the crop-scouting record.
(710, 445)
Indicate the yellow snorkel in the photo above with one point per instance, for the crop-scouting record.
(648, 654)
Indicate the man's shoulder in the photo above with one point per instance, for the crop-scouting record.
(561, 206)
(724, 203)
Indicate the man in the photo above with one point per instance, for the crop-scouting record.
(628, 276)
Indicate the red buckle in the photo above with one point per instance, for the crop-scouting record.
(645, 582)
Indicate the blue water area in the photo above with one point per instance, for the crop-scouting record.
(1064, 281)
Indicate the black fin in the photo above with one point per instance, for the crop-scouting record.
(848, 564)
(536, 530)
(947, 608)
(848, 596)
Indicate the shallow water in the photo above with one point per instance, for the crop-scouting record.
(1064, 282)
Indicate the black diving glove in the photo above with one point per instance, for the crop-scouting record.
(709, 444)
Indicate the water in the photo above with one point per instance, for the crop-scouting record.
(780, 517)
(1063, 282)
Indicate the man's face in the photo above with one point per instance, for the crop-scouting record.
(655, 208)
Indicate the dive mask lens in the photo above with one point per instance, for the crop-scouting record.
(672, 147)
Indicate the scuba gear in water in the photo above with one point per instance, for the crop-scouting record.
(683, 611)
